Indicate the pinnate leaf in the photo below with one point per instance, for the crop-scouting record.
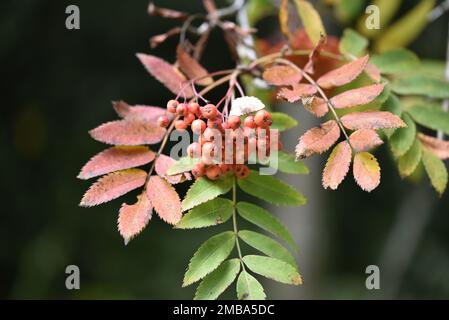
(396, 61)
(184, 164)
(134, 218)
(207, 214)
(343, 75)
(209, 256)
(270, 189)
(318, 139)
(357, 97)
(116, 158)
(366, 171)
(165, 199)
(421, 85)
(408, 163)
(267, 246)
(163, 163)
(438, 147)
(139, 112)
(430, 116)
(372, 120)
(248, 288)
(300, 90)
(131, 133)
(337, 166)
(112, 186)
(203, 190)
(436, 170)
(282, 76)
(167, 74)
(192, 68)
(316, 106)
(273, 268)
(265, 220)
(365, 139)
(215, 283)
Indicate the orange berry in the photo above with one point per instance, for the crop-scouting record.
(234, 122)
(194, 150)
(194, 108)
(180, 125)
(249, 122)
(198, 126)
(213, 172)
(181, 109)
(171, 106)
(189, 118)
(163, 121)
(209, 111)
(199, 170)
(263, 119)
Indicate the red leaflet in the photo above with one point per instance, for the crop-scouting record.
(318, 140)
(357, 97)
(134, 218)
(192, 68)
(436, 146)
(366, 171)
(131, 133)
(282, 76)
(344, 74)
(300, 90)
(373, 72)
(166, 74)
(337, 166)
(372, 120)
(365, 139)
(116, 158)
(163, 163)
(314, 56)
(113, 186)
(165, 200)
(140, 112)
(316, 106)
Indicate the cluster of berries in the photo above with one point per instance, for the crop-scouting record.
(223, 145)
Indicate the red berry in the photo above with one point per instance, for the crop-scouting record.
(198, 126)
(194, 150)
(194, 108)
(189, 118)
(249, 122)
(180, 125)
(199, 170)
(213, 172)
(225, 168)
(211, 134)
(163, 121)
(171, 106)
(209, 111)
(181, 109)
(234, 122)
(263, 119)
(243, 172)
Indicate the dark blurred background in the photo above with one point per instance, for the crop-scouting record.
(58, 84)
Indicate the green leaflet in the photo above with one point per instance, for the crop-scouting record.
(393, 105)
(270, 189)
(209, 256)
(353, 43)
(421, 85)
(430, 116)
(258, 9)
(216, 282)
(287, 163)
(406, 29)
(263, 219)
(403, 138)
(208, 214)
(203, 190)
(347, 10)
(436, 170)
(248, 288)
(408, 163)
(396, 61)
(267, 246)
(184, 164)
(311, 20)
(282, 121)
(273, 269)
